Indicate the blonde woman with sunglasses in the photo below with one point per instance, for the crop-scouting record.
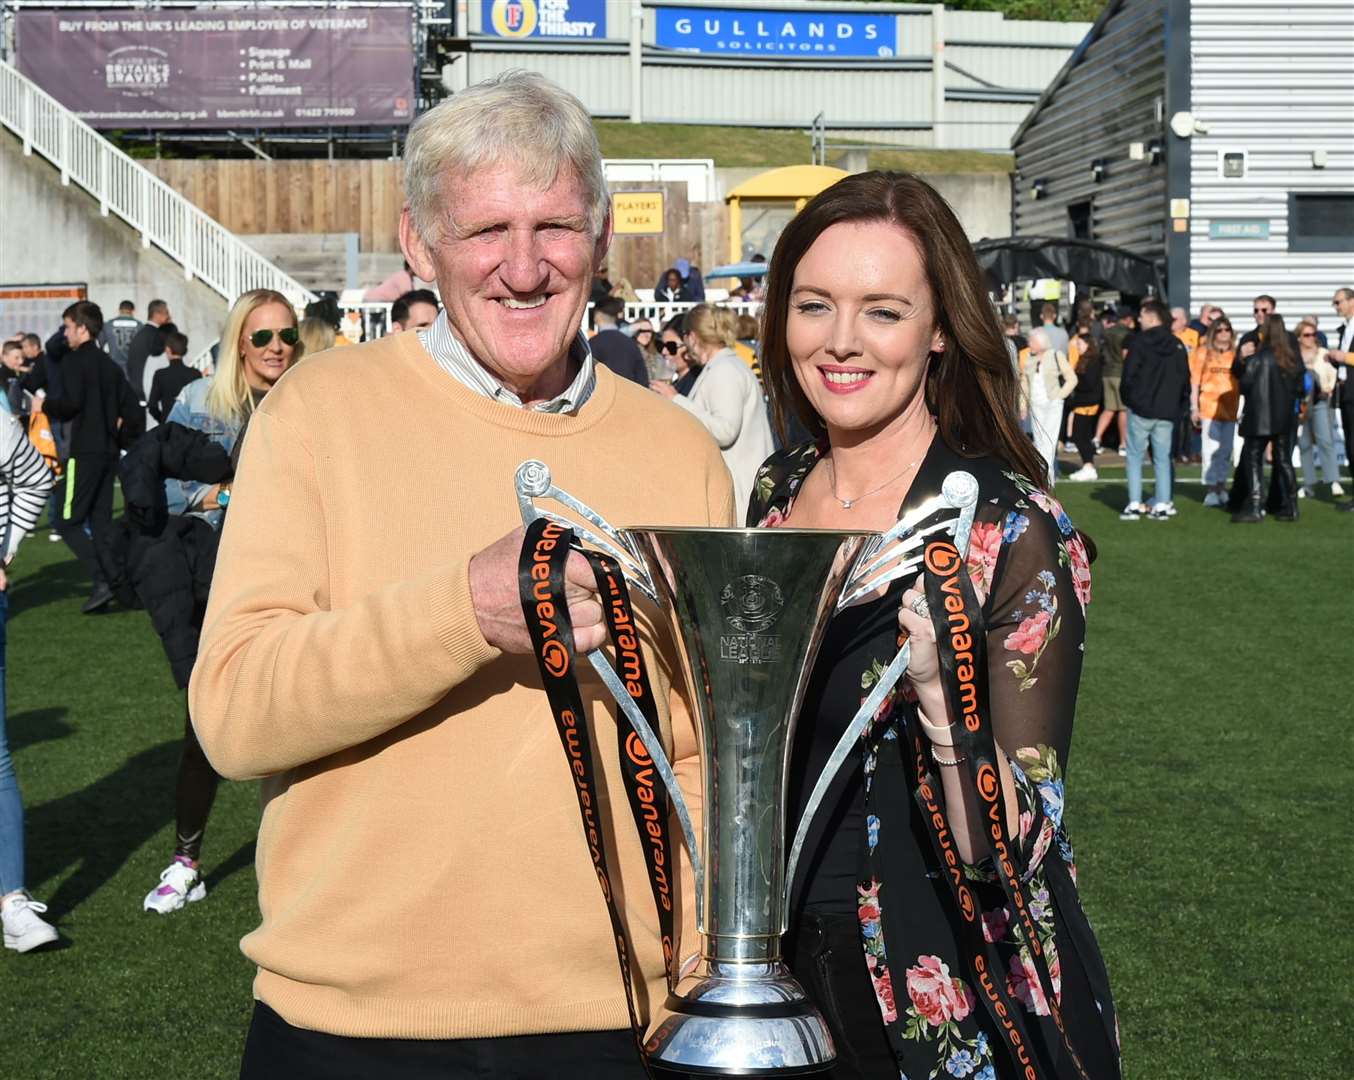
(259, 343)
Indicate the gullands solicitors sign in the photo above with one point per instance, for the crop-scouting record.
(751, 32)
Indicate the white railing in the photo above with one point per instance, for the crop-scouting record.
(204, 248)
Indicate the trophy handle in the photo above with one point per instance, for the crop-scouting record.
(899, 551)
(654, 748)
(533, 482)
(890, 556)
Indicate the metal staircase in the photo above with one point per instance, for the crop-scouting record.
(204, 249)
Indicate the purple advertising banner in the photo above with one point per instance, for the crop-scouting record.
(213, 68)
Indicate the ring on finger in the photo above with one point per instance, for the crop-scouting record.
(920, 607)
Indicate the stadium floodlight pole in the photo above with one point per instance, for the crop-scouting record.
(636, 62)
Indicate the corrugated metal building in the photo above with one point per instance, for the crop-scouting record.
(1215, 136)
(945, 78)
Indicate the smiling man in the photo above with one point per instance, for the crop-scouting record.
(428, 904)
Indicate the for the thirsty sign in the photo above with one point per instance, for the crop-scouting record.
(772, 32)
(544, 18)
(223, 68)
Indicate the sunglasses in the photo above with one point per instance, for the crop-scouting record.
(1261, 310)
(1307, 334)
(671, 347)
(639, 332)
(288, 335)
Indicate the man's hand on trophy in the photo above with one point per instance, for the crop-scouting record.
(496, 596)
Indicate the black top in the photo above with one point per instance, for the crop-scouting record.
(166, 385)
(1033, 566)
(89, 389)
(1270, 394)
(1090, 386)
(1156, 374)
(145, 343)
(621, 355)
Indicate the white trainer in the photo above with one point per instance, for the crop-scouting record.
(179, 884)
(1304, 493)
(23, 929)
(1212, 499)
(1086, 472)
(1336, 488)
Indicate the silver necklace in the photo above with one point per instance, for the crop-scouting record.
(848, 503)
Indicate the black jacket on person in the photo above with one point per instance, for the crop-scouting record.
(166, 385)
(1271, 394)
(1156, 374)
(92, 393)
(167, 560)
(621, 355)
(146, 342)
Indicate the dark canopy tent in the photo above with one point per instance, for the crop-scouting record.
(1087, 262)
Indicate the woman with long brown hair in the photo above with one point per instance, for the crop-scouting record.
(1271, 381)
(880, 337)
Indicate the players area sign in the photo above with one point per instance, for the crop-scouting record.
(238, 68)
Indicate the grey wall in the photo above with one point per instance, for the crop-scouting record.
(50, 234)
(981, 201)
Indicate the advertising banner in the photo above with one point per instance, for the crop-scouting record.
(544, 18)
(238, 68)
(840, 35)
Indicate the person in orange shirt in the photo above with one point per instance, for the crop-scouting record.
(1214, 402)
(1180, 327)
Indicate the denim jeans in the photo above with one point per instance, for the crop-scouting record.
(1141, 431)
(1317, 429)
(11, 806)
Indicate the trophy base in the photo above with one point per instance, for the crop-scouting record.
(732, 1019)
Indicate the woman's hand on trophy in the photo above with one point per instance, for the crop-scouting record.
(495, 594)
(914, 620)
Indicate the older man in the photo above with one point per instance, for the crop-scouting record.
(428, 903)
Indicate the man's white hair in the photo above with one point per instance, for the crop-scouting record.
(1039, 341)
(519, 119)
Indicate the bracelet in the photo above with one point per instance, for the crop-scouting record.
(956, 760)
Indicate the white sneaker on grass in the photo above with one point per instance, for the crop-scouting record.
(1212, 499)
(24, 930)
(1336, 489)
(180, 883)
(1086, 472)
(1134, 511)
(1304, 492)
(1161, 512)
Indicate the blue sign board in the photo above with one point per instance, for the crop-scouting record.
(752, 32)
(1238, 229)
(544, 18)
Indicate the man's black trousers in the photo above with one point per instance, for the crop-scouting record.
(274, 1050)
(85, 495)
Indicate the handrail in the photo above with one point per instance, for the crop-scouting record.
(202, 246)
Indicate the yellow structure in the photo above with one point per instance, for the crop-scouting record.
(793, 184)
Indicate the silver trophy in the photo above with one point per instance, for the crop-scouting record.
(748, 608)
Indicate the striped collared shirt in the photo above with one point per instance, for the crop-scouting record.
(455, 359)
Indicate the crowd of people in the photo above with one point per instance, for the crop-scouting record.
(1163, 388)
(356, 637)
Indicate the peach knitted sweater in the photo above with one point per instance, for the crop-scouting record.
(422, 869)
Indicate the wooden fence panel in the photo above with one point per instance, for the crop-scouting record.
(365, 197)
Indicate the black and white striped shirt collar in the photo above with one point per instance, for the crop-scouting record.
(455, 359)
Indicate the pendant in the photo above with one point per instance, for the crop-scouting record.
(846, 503)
